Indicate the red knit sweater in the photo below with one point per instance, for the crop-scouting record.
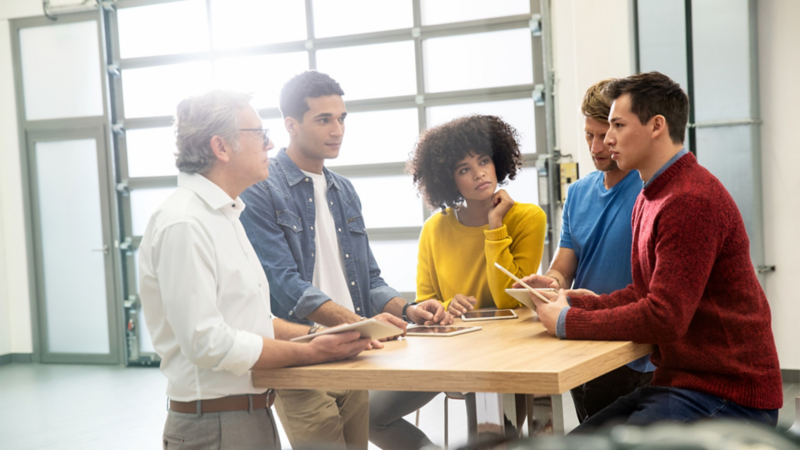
(694, 295)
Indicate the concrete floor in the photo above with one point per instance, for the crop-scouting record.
(109, 407)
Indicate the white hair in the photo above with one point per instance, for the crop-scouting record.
(200, 118)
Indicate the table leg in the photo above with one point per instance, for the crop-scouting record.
(545, 415)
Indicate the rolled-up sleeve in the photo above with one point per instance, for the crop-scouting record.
(185, 264)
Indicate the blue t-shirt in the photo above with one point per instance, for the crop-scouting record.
(596, 225)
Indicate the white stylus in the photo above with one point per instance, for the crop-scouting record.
(542, 297)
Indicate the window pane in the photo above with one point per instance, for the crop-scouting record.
(518, 113)
(366, 138)
(389, 201)
(263, 76)
(154, 30)
(277, 134)
(372, 71)
(446, 11)
(398, 263)
(525, 188)
(248, 23)
(156, 91)
(151, 152)
(61, 71)
(143, 203)
(473, 61)
(339, 17)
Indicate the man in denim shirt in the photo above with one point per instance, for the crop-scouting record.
(306, 225)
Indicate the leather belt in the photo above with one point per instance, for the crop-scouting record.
(250, 402)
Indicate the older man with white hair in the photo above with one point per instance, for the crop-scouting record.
(204, 293)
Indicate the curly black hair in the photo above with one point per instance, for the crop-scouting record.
(309, 84)
(440, 148)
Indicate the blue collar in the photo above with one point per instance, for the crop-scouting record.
(671, 161)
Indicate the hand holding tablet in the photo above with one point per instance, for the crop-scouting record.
(530, 289)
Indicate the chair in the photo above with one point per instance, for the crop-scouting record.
(447, 395)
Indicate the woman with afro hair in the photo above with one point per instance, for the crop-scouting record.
(457, 168)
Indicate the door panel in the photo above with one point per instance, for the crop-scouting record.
(74, 244)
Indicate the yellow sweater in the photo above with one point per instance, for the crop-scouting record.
(457, 259)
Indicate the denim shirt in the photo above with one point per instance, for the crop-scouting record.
(279, 221)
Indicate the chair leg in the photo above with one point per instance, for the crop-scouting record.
(445, 423)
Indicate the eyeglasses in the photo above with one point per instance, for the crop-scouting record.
(265, 131)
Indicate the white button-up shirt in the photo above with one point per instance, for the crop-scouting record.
(204, 292)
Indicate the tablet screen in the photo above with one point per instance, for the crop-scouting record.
(435, 329)
(438, 330)
(489, 314)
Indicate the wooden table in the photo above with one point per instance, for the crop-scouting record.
(506, 356)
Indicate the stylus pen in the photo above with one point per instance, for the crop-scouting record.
(535, 292)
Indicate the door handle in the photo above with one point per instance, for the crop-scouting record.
(104, 249)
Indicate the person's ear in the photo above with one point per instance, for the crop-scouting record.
(221, 148)
(292, 125)
(659, 126)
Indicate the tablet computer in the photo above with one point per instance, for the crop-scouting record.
(370, 328)
(489, 314)
(522, 296)
(439, 330)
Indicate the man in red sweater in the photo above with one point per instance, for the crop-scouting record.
(695, 294)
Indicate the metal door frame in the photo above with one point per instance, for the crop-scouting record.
(97, 134)
(99, 128)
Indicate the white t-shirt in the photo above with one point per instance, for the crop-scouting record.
(329, 275)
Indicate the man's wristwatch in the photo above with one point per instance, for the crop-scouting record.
(314, 329)
(405, 312)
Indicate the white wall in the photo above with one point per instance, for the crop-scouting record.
(779, 72)
(15, 319)
(591, 42)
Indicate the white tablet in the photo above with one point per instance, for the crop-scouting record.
(439, 330)
(489, 314)
(370, 328)
(521, 295)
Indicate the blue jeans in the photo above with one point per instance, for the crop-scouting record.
(652, 404)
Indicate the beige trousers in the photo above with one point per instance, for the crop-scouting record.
(324, 418)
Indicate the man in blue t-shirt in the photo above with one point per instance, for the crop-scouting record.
(595, 248)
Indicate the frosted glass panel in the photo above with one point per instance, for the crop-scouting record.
(500, 58)
(143, 203)
(151, 152)
(519, 113)
(155, 30)
(247, 23)
(372, 71)
(525, 188)
(389, 201)
(156, 91)
(74, 274)
(366, 134)
(446, 11)
(61, 71)
(262, 76)
(398, 263)
(277, 134)
(339, 17)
